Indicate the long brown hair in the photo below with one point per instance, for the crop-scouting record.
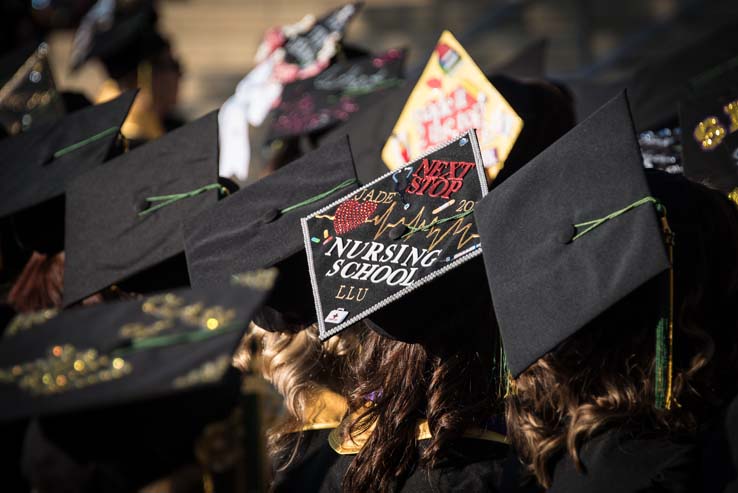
(397, 384)
(602, 377)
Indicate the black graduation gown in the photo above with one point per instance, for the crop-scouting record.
(474, 465)
(621, 462)
(309, 469)
(731, 426)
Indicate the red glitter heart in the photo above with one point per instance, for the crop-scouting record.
(352, 214)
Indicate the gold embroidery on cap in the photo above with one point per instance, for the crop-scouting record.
(65, 368)
(170, 308)
(261, 279)
(209, 372)
(709, 133)
(25, 321)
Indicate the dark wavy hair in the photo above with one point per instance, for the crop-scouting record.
(602, 377)
(453, 388)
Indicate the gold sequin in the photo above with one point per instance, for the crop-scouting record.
(733, 195)
(210, 371)
(731, 109)
(262, 279)
(709, 133)
(64, 368)
(25, 321)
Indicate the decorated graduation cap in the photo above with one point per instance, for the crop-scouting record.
(709, 123)
(158, 367)
(259, 227)
(119, 34)
(28, 95)
(572, 233)
(657, 87)
(308, 45)
(391, 237)
(318, 103)
(125, 217)
(38, 165)
(452, 96)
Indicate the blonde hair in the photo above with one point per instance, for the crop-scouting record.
(299, 367)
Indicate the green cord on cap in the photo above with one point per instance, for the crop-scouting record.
(73, 147)
(320, 196)
(175, 197)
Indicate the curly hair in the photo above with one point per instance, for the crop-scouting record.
(40, 285)
(300, 367)
(454, 390)
(602, 377)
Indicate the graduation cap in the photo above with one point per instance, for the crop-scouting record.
(304, 41)
(391, 237)
(259, 227)
(572, 233)
(124, 218)
(38, 165)
(110, 382)
(709, 121)
(119, 34)
(28, 94)
(656, 88)
(318, 103)
(452, 96)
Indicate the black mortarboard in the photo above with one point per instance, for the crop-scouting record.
(709, 121)
(391, 237)
(38, 165)
(658, 85)
(259, 227)
(130, 384)
(28, 95)
(113, 228)
(119, 34)
(316, 104)
(569, 235)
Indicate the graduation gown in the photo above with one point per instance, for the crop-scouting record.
(618, 461)
(313, 457)
(474, 463)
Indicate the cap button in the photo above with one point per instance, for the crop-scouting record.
(270, 215)
(567, 233)
(397, 232)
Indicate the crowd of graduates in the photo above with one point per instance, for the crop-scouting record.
(457, 280)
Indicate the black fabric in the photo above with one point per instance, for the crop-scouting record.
(318, 103)
(731, 428)
(470, 466)
(30, 97)
(658, 85)
(544, 286)
(29, 173)
(370, 128)
(308, 469)
(248, 231)
(710, 140)
(619, 461)
(106, 239)
(360, 257)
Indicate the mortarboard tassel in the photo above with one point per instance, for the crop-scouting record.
(663, 361)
